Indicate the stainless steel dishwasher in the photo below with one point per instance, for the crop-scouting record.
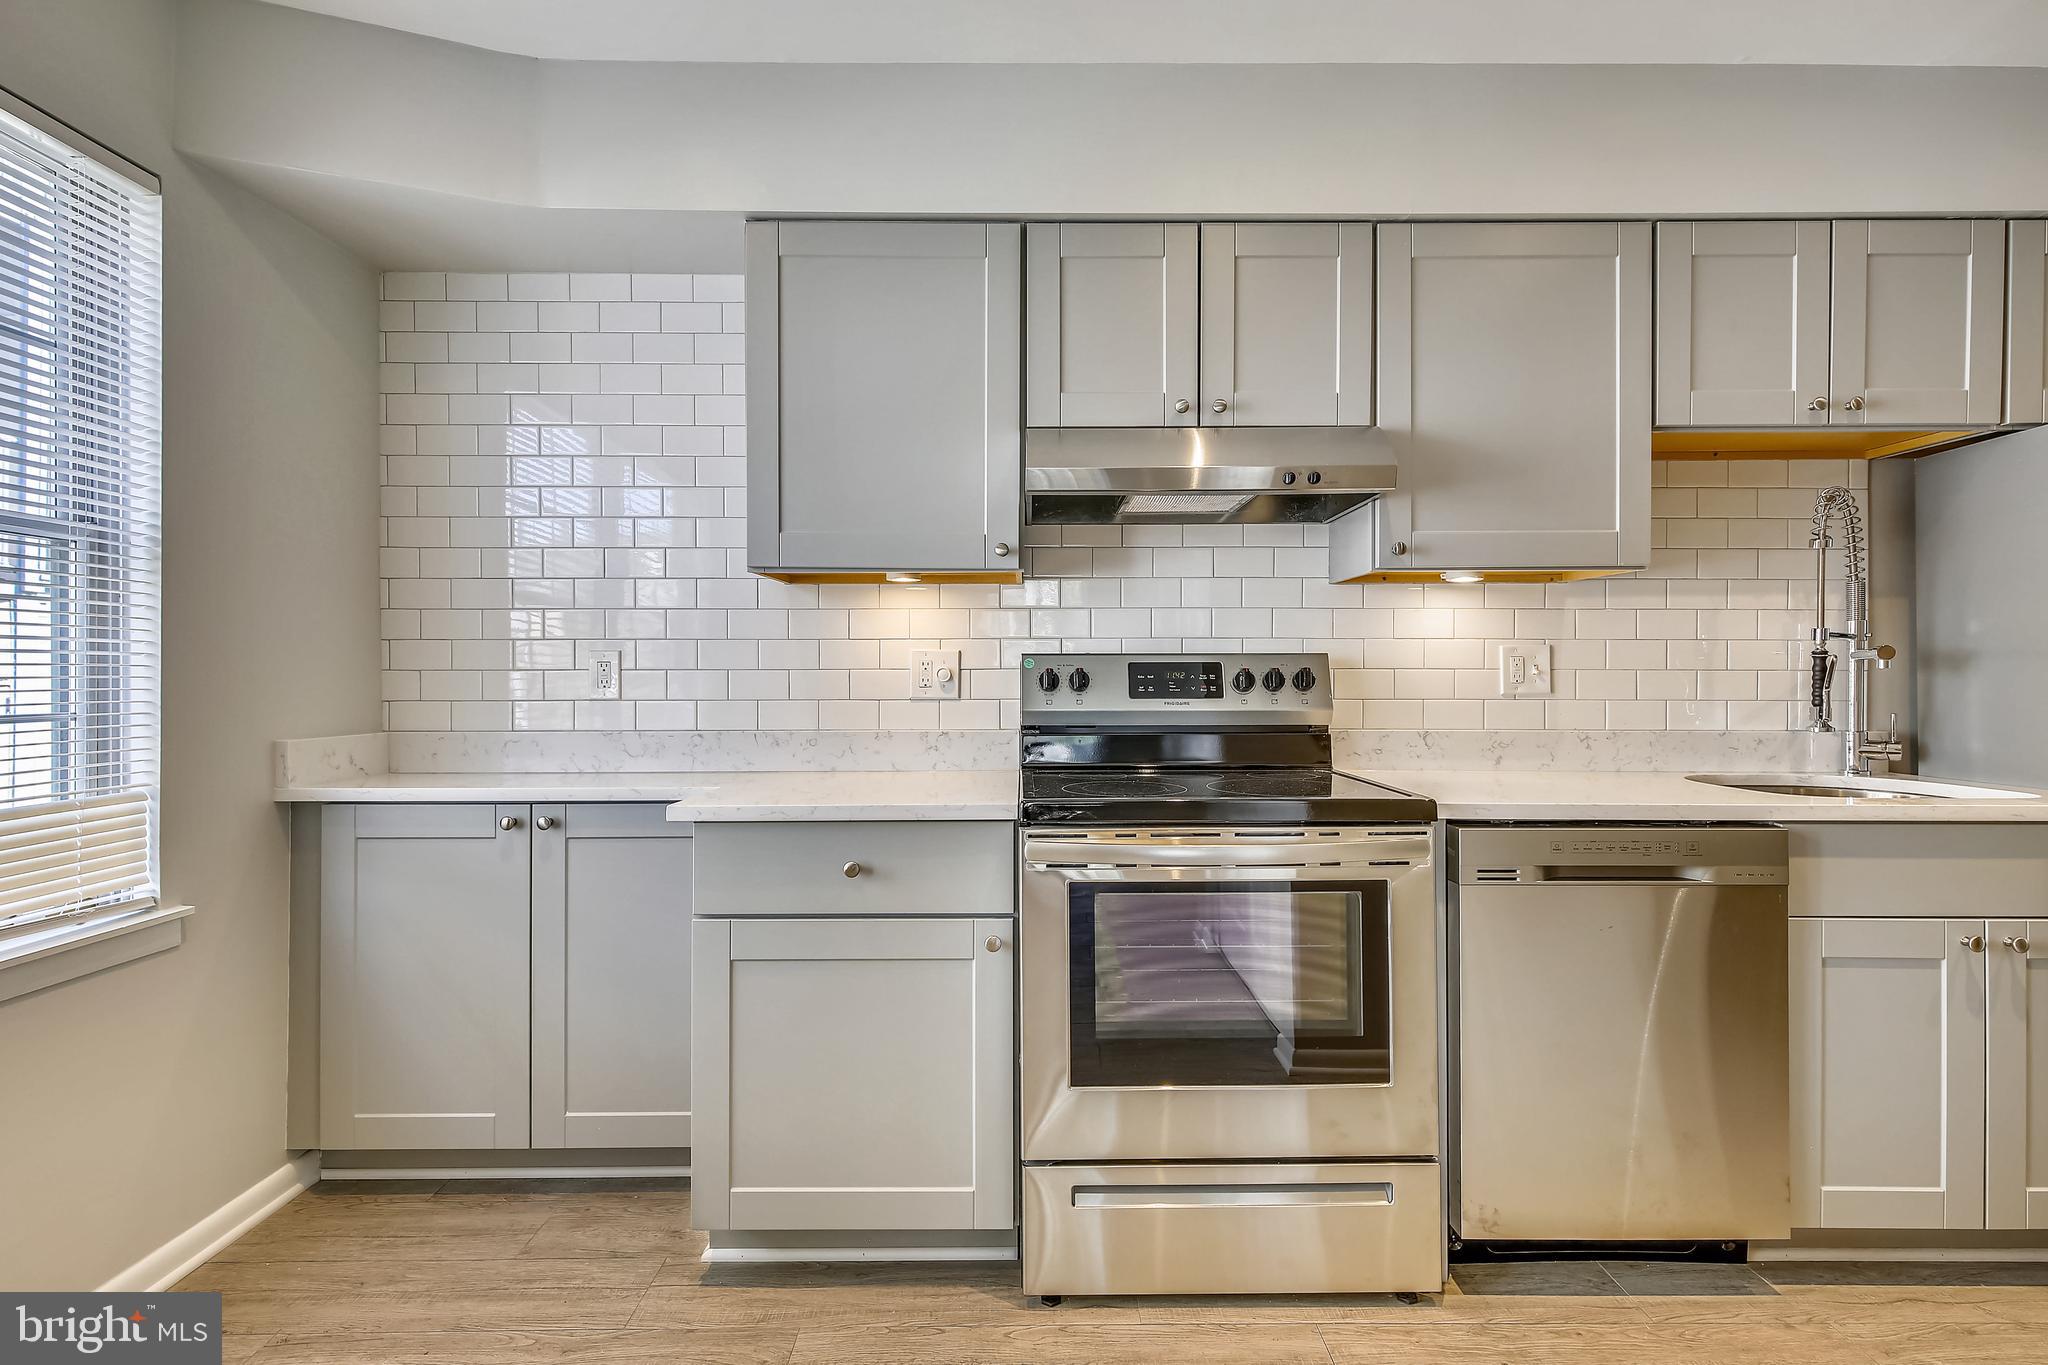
(1617, 1030)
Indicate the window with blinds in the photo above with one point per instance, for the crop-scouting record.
(80, 481)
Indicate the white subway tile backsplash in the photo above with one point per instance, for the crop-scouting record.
(564, 466)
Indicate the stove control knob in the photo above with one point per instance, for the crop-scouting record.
(1078, 680)
(1048, 681)
(1244, 680)
(1274, 680)
(1304, 679)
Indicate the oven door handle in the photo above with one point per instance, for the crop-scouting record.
(1369, 1193)
(1142, 872)
(1360, 855)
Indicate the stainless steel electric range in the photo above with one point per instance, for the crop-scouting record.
(1228, 989)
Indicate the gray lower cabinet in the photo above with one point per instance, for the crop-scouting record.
(505, 976)
(1515, 382)
(882, 400)
(1888, 1079)
(611, 976)
(2016, 1070)
(854, 1073)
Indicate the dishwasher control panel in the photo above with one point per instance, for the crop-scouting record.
(1493, 855)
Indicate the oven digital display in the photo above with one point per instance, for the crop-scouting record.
(1177, 679)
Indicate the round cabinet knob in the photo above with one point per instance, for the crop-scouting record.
(508, 822)
(1078, 680)
(1182, 405)
(1219, 406)
(1974, 942)
(1304, 679)
(2018, 944)
(1817, 405)
(1853, 404)
(1400, 548)
(992, 943)
(1244, 680)
(1002, 550)
(851, 870)
(1048, 682)
(1274, 680)
(543, 822)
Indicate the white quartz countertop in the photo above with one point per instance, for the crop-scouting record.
(1493, 794)
(975, 794)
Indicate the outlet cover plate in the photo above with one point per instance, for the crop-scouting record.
(1525, 668)
(604, 675)
(935, 674)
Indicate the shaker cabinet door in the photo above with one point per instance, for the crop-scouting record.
(1742, 324)
(882, 403)
(2016, 1126)
(857, 1073)
(424, 977)
(1919, 306)
(1286, 324)
(1514, 382)
(2026, 341)
(611, 977)
(1888, 1052)
(1110, 333)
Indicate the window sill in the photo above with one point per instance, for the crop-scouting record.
(35, 961)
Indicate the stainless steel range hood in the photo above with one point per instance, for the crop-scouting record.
(1097, 475)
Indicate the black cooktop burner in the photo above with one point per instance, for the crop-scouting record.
(1123, 786)
(1307, 783)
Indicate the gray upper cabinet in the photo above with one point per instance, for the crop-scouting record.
(1286, 324)
(855, 1073)
(424, 977)
(882, 404)
(611, 971)
(1514, 380)
(1918, 307)
(1110, 331)
(2026, 343)
(1742, 324)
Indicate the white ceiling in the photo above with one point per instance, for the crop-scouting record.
(1713, 32)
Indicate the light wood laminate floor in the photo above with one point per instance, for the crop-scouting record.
(504, 1272)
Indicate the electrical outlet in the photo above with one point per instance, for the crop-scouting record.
(604, 675)
(1525, 669)
(935, 673)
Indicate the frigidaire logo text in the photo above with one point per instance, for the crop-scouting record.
(88, 1333)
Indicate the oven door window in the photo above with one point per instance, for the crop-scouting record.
(1239, 983)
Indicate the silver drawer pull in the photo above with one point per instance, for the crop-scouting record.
(1366, 1194)
(852, 870)
(543, 822)
(508, 822)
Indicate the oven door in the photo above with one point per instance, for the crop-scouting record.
(1193, 995)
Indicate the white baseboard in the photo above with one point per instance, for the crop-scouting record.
(177, 1258)
(500, 1172)
(1855, 1253)
(932, 1253)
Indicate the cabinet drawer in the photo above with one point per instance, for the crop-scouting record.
(1332, 1228)
(925, 868)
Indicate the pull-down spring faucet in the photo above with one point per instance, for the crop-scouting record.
(1837, 507)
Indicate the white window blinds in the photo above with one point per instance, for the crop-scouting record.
(80, 480)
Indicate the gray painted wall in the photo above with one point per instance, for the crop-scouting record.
(1981, 621)
(135, 1102)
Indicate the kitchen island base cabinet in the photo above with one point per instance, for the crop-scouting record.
(503, 976)
(854, 1073)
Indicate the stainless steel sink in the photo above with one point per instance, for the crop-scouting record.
(1837, 787)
